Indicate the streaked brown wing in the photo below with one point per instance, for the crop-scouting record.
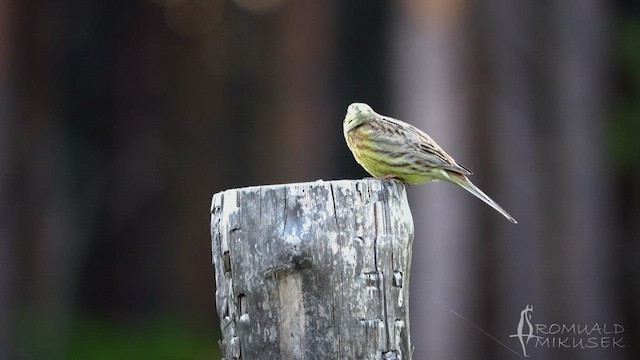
(443, 159)
(433, 154)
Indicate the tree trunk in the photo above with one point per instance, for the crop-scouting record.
(314, 270)
(431, 93)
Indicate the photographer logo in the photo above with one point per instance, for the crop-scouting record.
(566, 336)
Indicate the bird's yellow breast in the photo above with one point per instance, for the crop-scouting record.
(381, 156)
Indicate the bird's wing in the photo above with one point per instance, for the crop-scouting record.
(443, 160)
(432, 153)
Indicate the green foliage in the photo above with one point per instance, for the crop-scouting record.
(102, 338)
(625, 129)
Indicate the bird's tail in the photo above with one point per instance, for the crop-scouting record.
(464, 182)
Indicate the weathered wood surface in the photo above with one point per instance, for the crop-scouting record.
(315, 270)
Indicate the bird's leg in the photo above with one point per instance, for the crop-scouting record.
(392, 178)
(387, 177)
(383, 177)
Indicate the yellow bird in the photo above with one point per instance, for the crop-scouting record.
(391, 149)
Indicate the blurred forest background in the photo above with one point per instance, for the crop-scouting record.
(120, 119)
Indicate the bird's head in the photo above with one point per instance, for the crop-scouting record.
(357, 114)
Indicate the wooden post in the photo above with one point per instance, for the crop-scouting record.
(315, 270)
